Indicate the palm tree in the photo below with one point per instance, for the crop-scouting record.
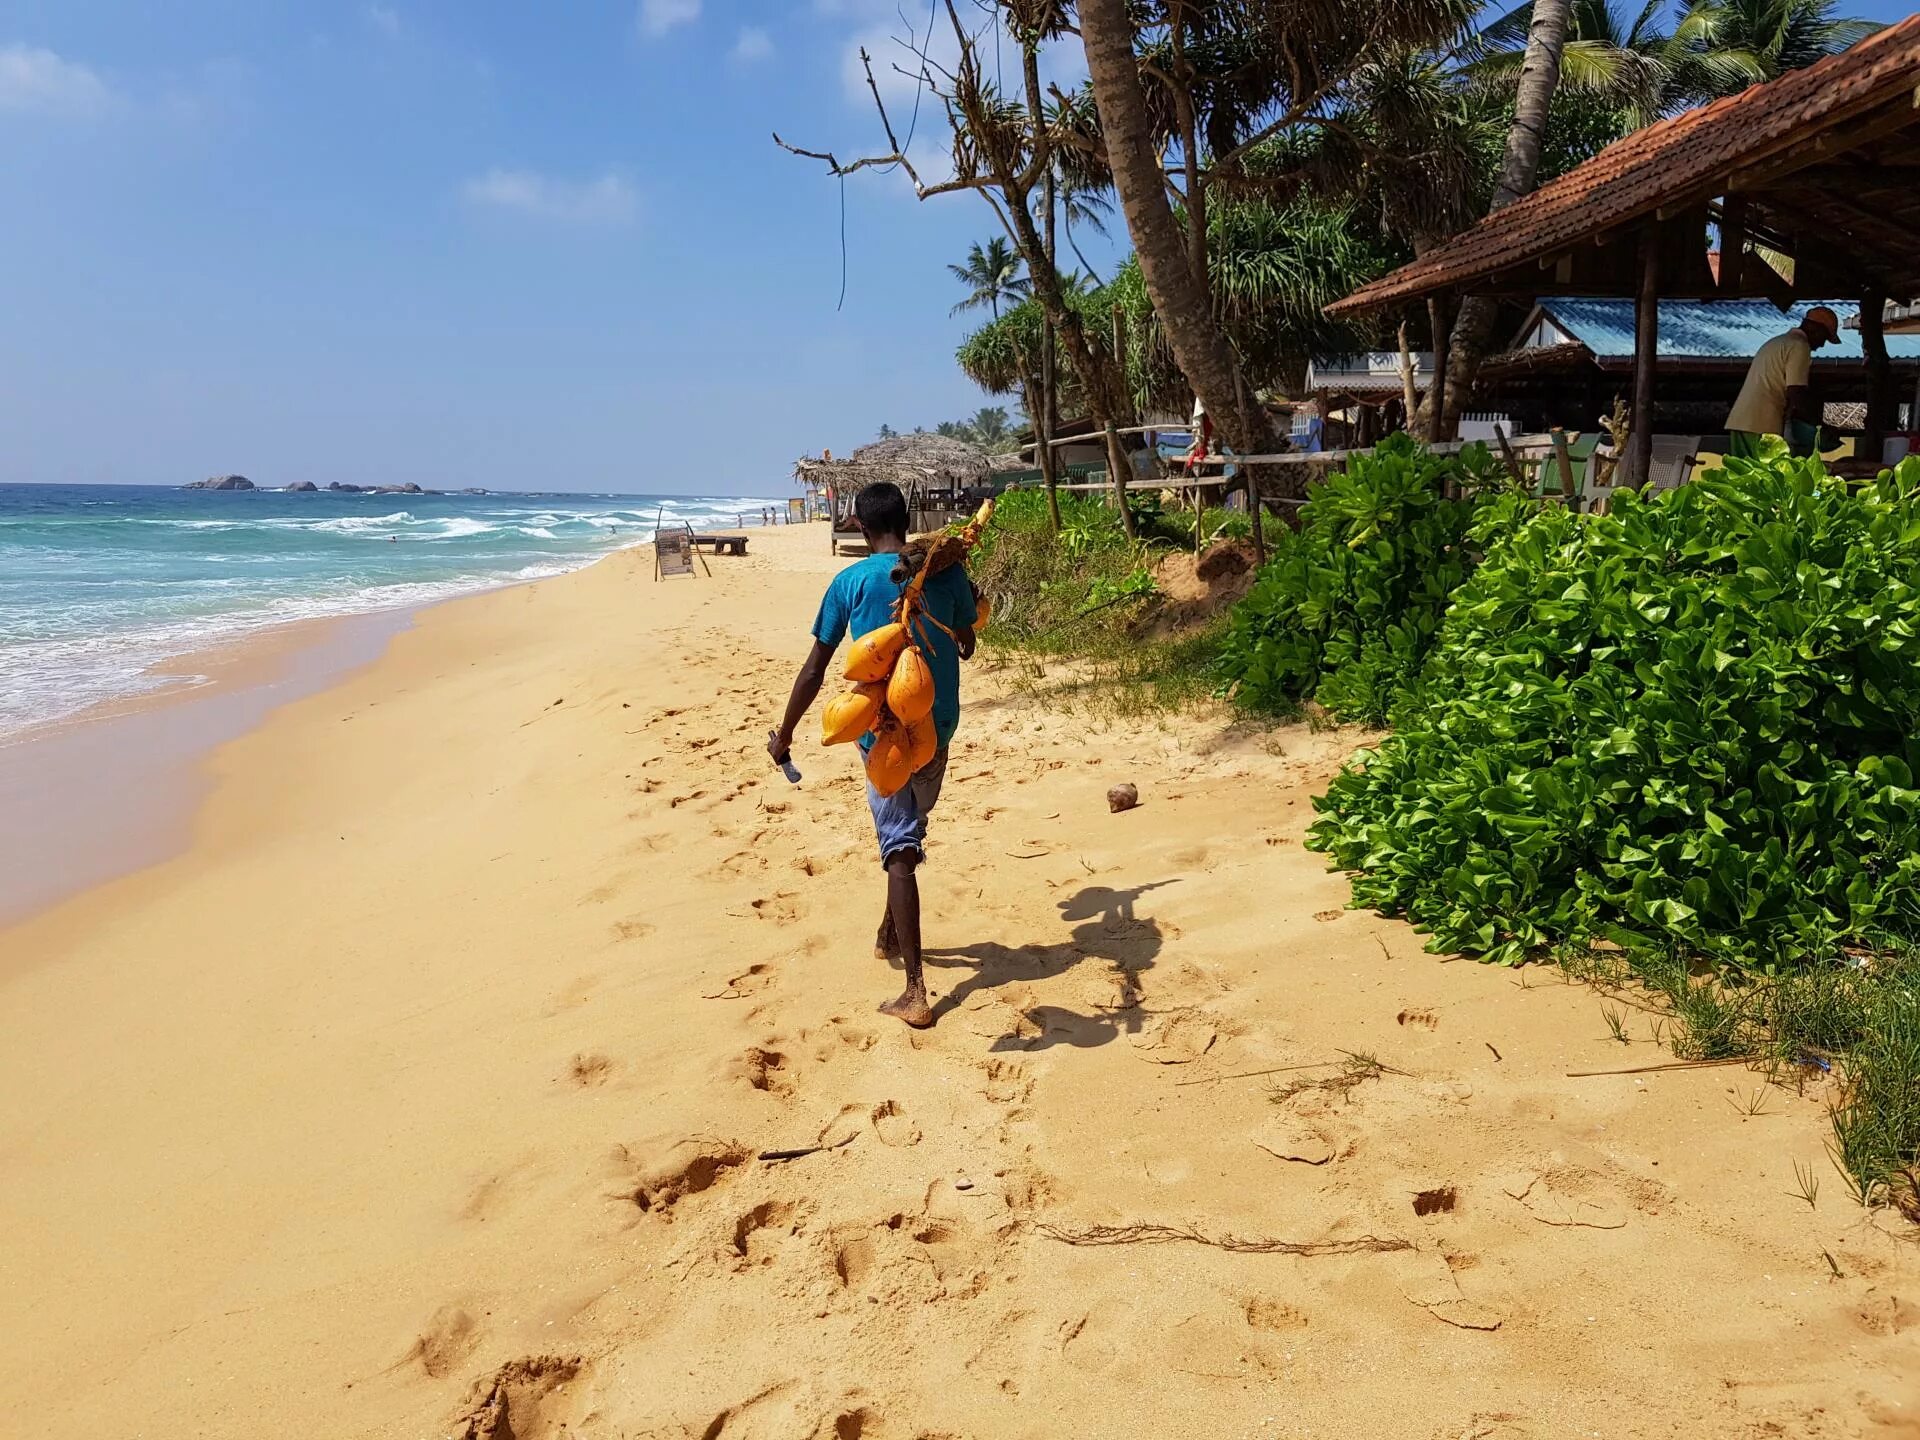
(1715, 48)
(988, 427)
(993, 275)
(1775, 36)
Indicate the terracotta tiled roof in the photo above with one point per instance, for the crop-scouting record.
(1667, 160)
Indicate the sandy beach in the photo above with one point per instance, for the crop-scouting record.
(424, 1093)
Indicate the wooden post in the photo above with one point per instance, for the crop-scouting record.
(1565, 462)
(1733, 243)
(1409, 396)
(1873, 343)
(1638, 461)
(1440, 323)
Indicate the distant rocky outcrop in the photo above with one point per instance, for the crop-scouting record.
(473, 490)
(303, 486)
(221, 482)
(340, 489)
(408, 489)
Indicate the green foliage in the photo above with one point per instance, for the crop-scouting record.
(1348, 607)
(1136, 584)
(1686, 727)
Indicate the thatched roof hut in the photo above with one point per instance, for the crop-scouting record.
(916, 463)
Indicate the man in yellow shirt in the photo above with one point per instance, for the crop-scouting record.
(1776, 400)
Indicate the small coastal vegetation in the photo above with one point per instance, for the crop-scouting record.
(1669, 747)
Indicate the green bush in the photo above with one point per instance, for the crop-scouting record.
(1684, 727)
(1347, 608)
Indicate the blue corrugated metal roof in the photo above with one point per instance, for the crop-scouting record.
(1707, 329)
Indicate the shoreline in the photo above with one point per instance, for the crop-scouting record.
(422, 1093)
(113, 788)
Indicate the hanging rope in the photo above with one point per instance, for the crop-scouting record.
(842, 303)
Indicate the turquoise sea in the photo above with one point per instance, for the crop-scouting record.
(100, 582)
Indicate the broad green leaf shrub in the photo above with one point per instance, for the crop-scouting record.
(1684, 727)
(1349, 605)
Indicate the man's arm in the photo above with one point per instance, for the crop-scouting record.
(1798, 398)
(806, 689)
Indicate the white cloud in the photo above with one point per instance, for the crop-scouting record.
(754, 44)
(657, 17)
(608, 200)
(39, 80)
(384, 19)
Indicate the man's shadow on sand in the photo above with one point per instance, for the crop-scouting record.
(1108, 931)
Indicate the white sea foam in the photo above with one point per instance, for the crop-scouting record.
(87, 617)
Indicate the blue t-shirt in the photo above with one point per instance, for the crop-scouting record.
(861, 599)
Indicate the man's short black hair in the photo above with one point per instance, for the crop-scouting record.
(882, 509)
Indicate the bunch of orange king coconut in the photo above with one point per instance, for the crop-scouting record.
(892, 693)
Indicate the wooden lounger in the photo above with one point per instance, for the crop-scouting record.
(729, 544)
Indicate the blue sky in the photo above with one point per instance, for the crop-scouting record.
(456, 241)
(460, 242)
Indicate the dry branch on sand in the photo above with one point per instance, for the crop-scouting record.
(1149, 1234)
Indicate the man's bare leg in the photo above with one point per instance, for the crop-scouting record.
(903, 911)
(886, 945)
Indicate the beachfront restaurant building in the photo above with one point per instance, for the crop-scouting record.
(1797, 190)
(1572, 357)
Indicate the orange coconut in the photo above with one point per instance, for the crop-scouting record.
(873, 654)
(910, 690)
(849, 716)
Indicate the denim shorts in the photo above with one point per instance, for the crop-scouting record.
(900, 819)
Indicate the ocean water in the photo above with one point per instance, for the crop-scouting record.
(100, 582)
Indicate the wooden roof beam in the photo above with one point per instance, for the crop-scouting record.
(1876, 124)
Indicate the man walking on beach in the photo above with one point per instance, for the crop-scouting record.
(861, 599)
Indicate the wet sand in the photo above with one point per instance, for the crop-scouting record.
(111, 790)
(421, 1094)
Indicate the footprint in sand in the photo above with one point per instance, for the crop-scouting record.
(1419, 1019)
(779, 908)
(741, 862)
(893, 1127)
(757, 1235)
(625, 930)
(1007, 1081)
(444, 1342)
(750, 981)
(522, 1397)
(692, 1167)
(589, 1069)
(837, 1037)
(786, 1409)
(764, 1068)
(1275, 1316)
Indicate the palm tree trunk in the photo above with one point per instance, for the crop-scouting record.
(1184, 308)
(1519, 169)
(1196, 186)
(1049, 415)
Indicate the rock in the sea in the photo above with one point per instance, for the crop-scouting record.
(340, 489)
(303, 486)
(1123, 797)
(407, 489)
(221, 482)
